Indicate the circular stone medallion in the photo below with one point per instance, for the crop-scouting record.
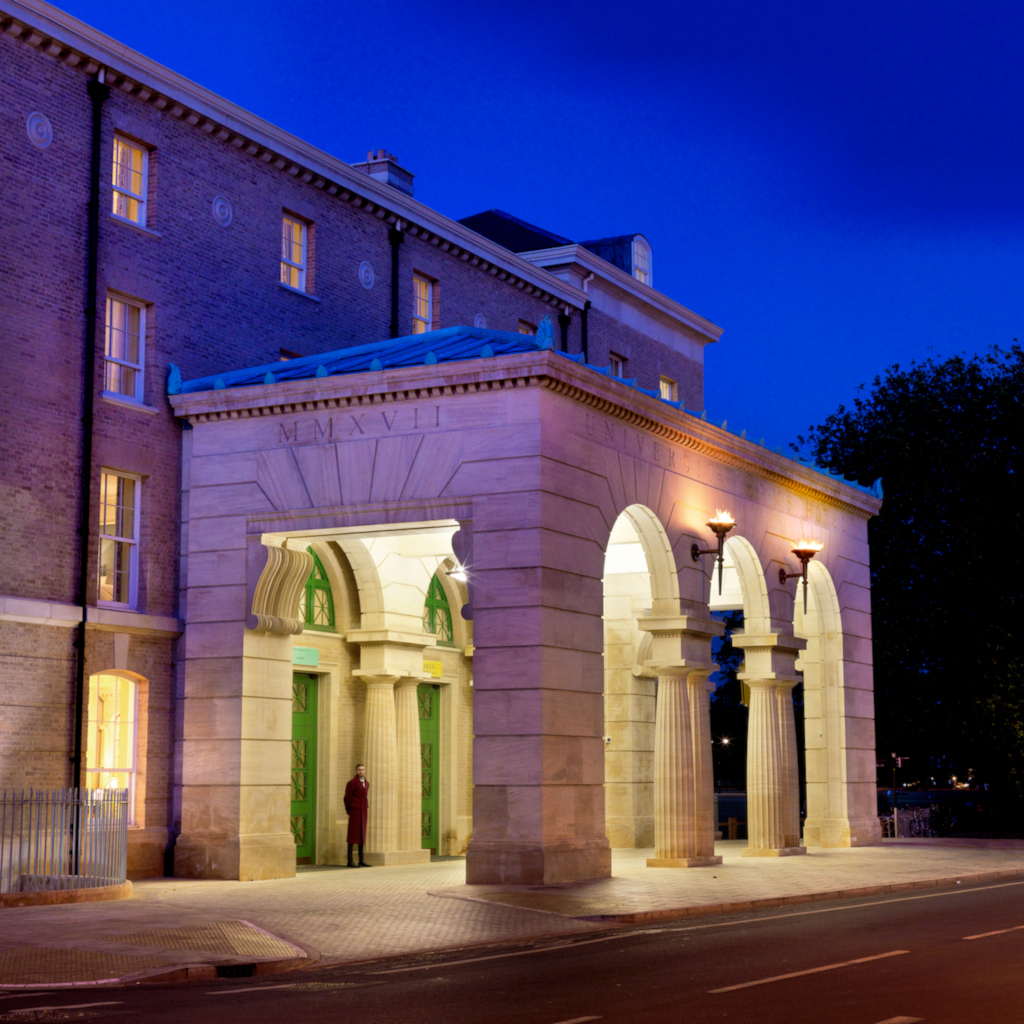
(366, 277)
(222, 212)
(40, 131)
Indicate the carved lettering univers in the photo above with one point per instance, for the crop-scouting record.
(389, 423)
(355, 425)
(321, 433)
(283, 436)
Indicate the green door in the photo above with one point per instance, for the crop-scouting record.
(304, 767)
(429, 698)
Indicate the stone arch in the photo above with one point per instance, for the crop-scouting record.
(640, 580)
(840, 807)
(743, 586)
(364, 569)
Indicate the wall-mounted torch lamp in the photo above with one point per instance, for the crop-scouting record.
(805, 550)
(457, 572)
(721, 524)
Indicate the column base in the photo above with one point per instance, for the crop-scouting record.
(393, 857)
(245, 858)
(495, 863)
(785, 851)
(683, 862)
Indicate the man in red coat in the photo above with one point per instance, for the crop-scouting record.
(357, 808)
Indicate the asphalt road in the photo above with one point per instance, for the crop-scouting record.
(952, 956)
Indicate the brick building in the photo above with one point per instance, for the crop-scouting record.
(160, 237)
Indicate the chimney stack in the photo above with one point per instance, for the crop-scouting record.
(382, 166)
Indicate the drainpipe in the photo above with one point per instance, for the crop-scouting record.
(583, 318)
(99, 91)
(563, 321)
(395, 236)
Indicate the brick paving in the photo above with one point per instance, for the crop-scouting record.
(334, 915)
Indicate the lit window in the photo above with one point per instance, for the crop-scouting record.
(616, 364)
(423, 304)
(112, 736)
(525, 327)
(122, 374)
(129, 181)
(293, 253)
(119, 539)
(316, 606)
(668, 389)
(641, 261)
(437, 615)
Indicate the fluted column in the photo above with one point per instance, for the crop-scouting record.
(704, 824)
(381, 759)
(773, 810)
(790, 767)
(677, 840)
(410, 783)
(771, 764)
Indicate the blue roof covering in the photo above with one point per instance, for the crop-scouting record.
(445, 346)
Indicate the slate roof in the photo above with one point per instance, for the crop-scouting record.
(449, 345)
(511, 232)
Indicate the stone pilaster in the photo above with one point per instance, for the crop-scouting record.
(790, 766)
(684, 828)
(704, 822)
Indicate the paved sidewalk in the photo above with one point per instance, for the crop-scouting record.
(185, 929)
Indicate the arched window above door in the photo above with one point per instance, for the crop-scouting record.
(437, 615)
(316, 607)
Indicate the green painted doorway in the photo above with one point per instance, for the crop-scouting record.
(429, 698)
(304, 766)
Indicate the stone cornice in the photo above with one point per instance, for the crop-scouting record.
(545, 369)
(642, 294)
(76, 44)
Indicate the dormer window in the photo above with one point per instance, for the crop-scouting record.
(641, 260)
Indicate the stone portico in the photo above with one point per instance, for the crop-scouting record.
(572, 502)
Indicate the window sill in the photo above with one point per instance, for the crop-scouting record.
(297, 291)
(138, 227)
(127, 403)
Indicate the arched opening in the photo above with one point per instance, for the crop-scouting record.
(838, 726)
(639, 580)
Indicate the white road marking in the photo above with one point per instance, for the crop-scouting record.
(66, 1006)
(1002, 931)
(518, 952)
(812, 970)
(640, 930)
(246, 990)
(834, 910)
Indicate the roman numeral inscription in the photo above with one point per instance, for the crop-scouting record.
(369, 423)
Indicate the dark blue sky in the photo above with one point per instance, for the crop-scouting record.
(837, 185)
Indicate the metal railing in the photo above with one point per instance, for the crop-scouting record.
(913, 823)
(54, 839)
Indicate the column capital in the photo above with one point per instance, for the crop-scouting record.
(769, 682)
(680, 643)
(384, 652)
(768, 656)
(680, 625)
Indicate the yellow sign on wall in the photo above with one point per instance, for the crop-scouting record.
(433, 669)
